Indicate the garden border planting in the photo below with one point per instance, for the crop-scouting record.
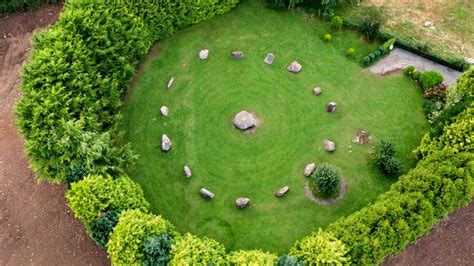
(69, 115)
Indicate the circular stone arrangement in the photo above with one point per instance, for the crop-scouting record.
(248, 122)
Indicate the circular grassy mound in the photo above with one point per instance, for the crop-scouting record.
(293, 125)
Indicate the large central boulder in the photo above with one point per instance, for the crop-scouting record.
(245, 120)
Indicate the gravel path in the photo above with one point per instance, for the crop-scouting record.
(400, 58)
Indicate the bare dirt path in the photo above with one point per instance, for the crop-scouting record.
(36, 225)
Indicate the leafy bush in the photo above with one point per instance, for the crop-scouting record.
(191, 250)
(326, 178)
(377, 54)
(251, 257)
(389, 44)
(101, 229)
(94, 195)
(327, 37)
(428, 192)
(287, 260)
(350, 52)
(370, 22)
(128, 239)
(416, 75)
(384, 158)
(336, 23)
(409, 71)
(430, 79)
(432, 108)
(156, 250)
(75, 173)
(320, 248)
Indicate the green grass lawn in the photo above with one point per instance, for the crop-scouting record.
(206, 96)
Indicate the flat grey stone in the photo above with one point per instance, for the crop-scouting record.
(187, 171)
(329, 146)
(317, 91)
(164, 110)
(170, 83)
(165, 143)
(244, 120)
(282, 191)
(295, 67)
(269, 59)
(242, 202)
(309, 169)
(203, 54)
(206, 193)
(237, 54)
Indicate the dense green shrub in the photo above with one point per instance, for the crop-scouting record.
(430, 79)
(377, 54)
(251, 257)
(320, 248)
(409, 71)
(287, 260)
(156, 250)
(75, 173)
(326, 179)
(128, 239)
(389, 44)
(350, 52)
(370, 22)
(336, 23)
(384, 158)
(93, 195)
(191, 250)
(327, 37)
(428, 192)
(101, 229)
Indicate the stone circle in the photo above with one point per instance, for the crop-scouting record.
(170, 83)
(331, 107)
(317, 91)
(237, 54)
(282, 191)
(187, 171)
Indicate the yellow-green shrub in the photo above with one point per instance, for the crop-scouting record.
(192, 250)
(251, 258)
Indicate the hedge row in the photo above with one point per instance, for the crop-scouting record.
(383, 49)
(68, 115)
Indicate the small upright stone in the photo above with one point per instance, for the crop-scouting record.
(282, 191)
(244, 120)
(269, 59)
(294, 67)
(164, 110)
(309, 169)
(170, 83)
(317, 91)
(203, 54)
(206, 193)
(187, 171)
(329, 146)
(237, 54)
(242, 202)
(331, 107)
(165, 143)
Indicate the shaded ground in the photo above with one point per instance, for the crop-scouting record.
(400, 59)
(36, 225)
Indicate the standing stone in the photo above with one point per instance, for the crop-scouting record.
(170, 83)
(317, 90)
(244, 120)
(329, 146)
(187, 171)
(282, 191)
(237, 54)
(164, 110)
(242, 202)
(331, 107)
(203, 54)
(294, 67)
(309, 169)
(269, 59)
(165, 143)
(206, 193)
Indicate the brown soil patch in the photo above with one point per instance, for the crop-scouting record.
(36, 225)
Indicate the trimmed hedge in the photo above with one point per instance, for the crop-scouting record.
(251, 258)
(72, 89)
